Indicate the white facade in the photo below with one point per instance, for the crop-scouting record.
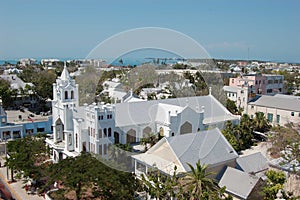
(240, 95)
(93, 128)
(278, 109)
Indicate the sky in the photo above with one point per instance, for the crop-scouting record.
(235, 29)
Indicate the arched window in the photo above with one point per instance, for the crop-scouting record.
(72, 94)
(66, 94)
(109, 132)
(105, 132)
(186, 128)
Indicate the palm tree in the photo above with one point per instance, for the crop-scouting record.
(198, 183)
(261, 124)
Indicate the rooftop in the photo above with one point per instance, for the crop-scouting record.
(210, 147)
(18, 117)
(238, 182)
(282, 102)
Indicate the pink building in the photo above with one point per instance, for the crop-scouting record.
(268, 84)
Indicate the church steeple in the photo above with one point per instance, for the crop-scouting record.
(65, 74)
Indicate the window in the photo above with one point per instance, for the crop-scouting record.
(100, 149)
(173, 134)
(232, 80)
(66, 94)
(100, 133)
(70, 139)
(105, 149)
(256, 82)
(105, 133)
(278, 119)
(72, 94)
(140, 167)
(270, 117)
(299, 114)
(229, 94)
(109, 116)
(40, 130)
(252, 107)
(100, 117)
(76, 140)
(269, 90)
(251, 116)
(109, 132)
(292, 114)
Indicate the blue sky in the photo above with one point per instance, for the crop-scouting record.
(226, 29)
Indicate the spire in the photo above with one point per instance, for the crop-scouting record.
(65, 74)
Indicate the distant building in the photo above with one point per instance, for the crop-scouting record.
(278, 109)
(24, 96)
(27, 61)
(266, 84)
(18, 124)
(240, 95)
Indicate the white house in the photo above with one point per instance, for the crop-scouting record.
(210, 147)
(94, 127)
(279, 109)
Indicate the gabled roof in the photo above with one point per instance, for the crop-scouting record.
(238, 183)
(210, 147)
(141, 112)
(279, 102)
(253, 163)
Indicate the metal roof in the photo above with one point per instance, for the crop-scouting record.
(232, 89)
(253, 163)
(210, 147)
(238, 182)
(279, 102)
(145, 111)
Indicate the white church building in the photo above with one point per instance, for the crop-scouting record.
(94, 127)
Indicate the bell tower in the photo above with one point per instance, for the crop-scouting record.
(65, 100)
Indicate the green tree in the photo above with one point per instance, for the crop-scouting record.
(199, 185)
(6, 93)
(230, 105)
(85, 171)
(26, 156)
(274, 183)
(260, 122)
